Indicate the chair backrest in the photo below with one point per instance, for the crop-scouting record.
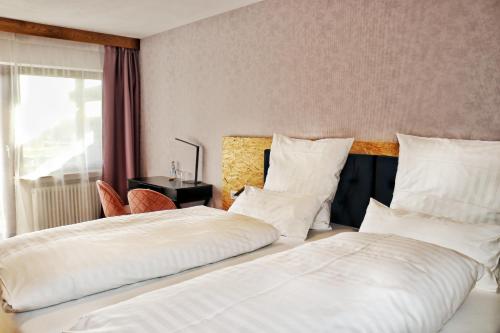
(111, 202)
(144, 201)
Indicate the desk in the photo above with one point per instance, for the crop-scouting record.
(180, 192)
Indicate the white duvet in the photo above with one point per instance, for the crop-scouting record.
(353, 282)
(57, 265)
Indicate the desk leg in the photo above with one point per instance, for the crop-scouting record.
(177, 204)
(207, 200)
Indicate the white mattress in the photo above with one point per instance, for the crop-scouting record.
(479, 313)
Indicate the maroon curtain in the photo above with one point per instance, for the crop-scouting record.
(121, 117)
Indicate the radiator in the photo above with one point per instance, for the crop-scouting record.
(55, 206)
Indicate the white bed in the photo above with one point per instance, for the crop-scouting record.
(478, 313)
(417, 288)
(57, 265)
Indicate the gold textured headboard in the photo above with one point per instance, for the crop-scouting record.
(243, 160)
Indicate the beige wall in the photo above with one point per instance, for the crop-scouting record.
(318, 68)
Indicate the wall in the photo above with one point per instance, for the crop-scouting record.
(321, 68)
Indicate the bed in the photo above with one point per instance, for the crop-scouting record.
(364, 176)
(229, 299)
(52, 266)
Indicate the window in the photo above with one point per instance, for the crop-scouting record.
(50, 131)
(58, 122)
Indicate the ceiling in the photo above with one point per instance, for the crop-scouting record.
(132, 18)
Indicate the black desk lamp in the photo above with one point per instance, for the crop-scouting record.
(195, 181)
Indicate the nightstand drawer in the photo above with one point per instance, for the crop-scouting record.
(194, 194)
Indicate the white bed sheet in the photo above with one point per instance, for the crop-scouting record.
(62, 316)
(478, 313)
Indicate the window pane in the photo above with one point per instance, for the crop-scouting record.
(58, 125)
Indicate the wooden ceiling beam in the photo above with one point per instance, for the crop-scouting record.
(51, 31)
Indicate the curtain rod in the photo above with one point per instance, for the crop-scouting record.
(51, 31)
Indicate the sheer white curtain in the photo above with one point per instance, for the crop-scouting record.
(51, 130)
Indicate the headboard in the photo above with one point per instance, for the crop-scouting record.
(370, 171)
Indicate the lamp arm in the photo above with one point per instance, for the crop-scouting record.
(189, 143)
(196, 165)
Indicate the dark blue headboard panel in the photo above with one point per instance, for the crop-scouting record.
(363, 177)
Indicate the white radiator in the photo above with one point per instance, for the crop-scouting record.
(55, 206)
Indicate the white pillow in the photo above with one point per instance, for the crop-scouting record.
(480, 242)
(308, 167)
(292, 214)
(459, 179)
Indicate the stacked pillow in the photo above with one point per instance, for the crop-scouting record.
(301, 181)
(459, 179)
(447, 192)
(290, 213)
(310, 168)
(479, 241)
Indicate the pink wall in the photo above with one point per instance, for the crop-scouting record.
(318, 68)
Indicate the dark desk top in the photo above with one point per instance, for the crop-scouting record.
(165, 182)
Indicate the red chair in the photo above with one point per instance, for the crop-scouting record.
(111, 202)
(144, 201)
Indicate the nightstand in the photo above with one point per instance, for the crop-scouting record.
(179, 192)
